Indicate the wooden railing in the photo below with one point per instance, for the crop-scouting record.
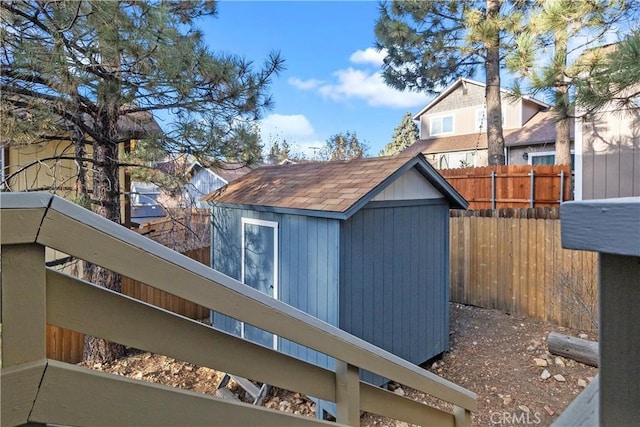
(38, 390)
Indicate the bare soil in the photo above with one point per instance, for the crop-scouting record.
(491, 353)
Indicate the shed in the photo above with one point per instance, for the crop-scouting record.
(360, 244)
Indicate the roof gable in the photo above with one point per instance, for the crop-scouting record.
(464, 82)
(334, 189)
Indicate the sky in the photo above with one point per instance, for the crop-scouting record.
(332, 82)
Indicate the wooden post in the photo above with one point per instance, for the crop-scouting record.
(462, 417)
(24, 311)
(619, 339)
(347, 394)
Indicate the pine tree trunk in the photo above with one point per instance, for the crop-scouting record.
(563, 138)
(106, 182)
(495, 138)
(106, 203)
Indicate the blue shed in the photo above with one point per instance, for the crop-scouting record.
(360, 244)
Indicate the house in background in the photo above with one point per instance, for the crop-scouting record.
(150, 202)
(49, 165)
(608, 155)
(360, 244)
(453, 128)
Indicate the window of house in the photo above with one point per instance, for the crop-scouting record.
(547, 158)
(441, 125)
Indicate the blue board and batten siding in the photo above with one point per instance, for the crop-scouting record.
(307, 271)
(394, 278)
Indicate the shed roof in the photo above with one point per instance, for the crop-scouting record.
(333, 189)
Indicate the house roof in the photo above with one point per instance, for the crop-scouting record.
(446, 144)
(463, 81)
(231, 171)
(540, 129)
(334, 189)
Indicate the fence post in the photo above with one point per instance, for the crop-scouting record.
(561, 186)
(531, 189)
(347, 394)
(24, 308)
(493, 189)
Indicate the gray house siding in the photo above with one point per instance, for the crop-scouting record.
(611, 155)
(307, 271)
(394, 280)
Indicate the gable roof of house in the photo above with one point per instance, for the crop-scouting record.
(331, 189)
(461, 82)
(540, 129)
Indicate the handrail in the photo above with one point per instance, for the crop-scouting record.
(50, 221)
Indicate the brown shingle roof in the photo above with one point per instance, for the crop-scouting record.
(330, 186)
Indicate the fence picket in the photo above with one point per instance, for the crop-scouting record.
(535, 276)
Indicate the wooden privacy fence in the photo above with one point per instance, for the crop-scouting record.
(517, 186)
(512, 260)
(67, 346)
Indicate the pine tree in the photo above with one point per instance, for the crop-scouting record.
(343, 146)
(430, 44)
(84, 64)
(609, 77)
(405, 134)
(560, 24)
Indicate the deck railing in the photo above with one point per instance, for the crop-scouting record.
(38, 390)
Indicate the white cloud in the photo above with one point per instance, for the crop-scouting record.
(304, 84)
(369, 87)
(294, 128)
(368, 56)
(365, 84)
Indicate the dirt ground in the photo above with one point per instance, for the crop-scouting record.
(500, 357)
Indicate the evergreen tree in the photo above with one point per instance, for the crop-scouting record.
(610, 76)
(559, 24)
(405, 134)
(430, 44)
(343, 146)
(85, 64)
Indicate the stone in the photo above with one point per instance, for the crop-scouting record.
(559, 361)
(559, 378)
(545, 375)
(584, 336)
(507, 400)
(399, 391)
(582, 383)
(540, 362)
(531, 348)
(284, 406)
(524, 408)
(548, 409)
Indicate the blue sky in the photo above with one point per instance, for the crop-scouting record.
(332, 82)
